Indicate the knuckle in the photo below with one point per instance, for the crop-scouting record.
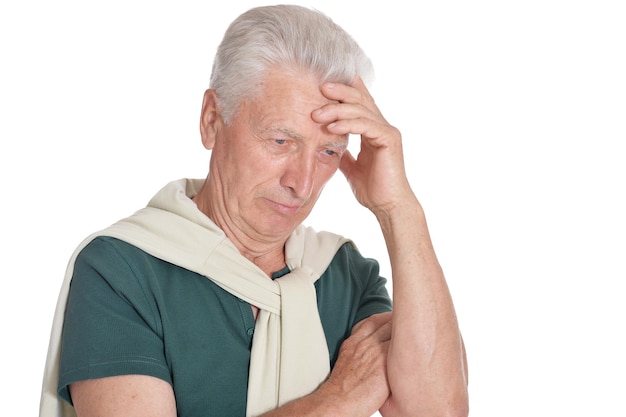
(364, 327)
(347, 345)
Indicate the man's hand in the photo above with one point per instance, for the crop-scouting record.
(357, 385)
(359, 378)
(377, 176)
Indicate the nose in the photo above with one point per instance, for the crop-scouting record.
(299, 175)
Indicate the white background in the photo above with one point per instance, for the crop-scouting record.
(514, 121)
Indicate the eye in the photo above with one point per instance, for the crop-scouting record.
(280, 145)
(335, 151)
(330, 155)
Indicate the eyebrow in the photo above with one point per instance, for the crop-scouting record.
(286, 131)
(297, 136)
(338, 144)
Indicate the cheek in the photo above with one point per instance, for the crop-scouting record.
(238, 159)
(253, 171)
(326, 172)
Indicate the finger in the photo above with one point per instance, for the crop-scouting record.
(347, 164)
(360, 85)
(343, 93)
(378, 325)
(343, 119)
(383, 333)
(349, 117)
(337, 111)
(356, 93)
(372, 132)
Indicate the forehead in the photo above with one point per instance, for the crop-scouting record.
(284, 103)
(289, 89)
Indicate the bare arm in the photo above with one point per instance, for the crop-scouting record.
(426, 366)
(426, 362)
(123, 396)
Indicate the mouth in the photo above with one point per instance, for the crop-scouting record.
(284, 208)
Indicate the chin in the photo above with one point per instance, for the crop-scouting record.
(280, 225)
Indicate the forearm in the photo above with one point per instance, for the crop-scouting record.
(357, 385)
(326, 401)
(426, 361)
(312, 405)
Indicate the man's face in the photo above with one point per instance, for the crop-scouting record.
(271, 163)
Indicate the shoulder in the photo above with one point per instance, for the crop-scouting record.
(111, 251)
(351, 272)
(349, 260)
(109, 246)
(120, 264)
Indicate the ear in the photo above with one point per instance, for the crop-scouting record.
(209, 119)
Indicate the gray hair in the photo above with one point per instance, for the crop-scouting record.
(287, 36)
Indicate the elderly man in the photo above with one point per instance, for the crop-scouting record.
(214, 300)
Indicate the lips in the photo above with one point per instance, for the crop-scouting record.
(285, 208)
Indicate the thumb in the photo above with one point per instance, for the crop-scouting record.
(347, 164)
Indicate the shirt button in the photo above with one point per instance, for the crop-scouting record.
(250, 331)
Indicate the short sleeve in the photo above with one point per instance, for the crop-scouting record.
(349, 291)
(374, 297)
(111, 324)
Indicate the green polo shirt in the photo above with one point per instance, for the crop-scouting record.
(131, 313)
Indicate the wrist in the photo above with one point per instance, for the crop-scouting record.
(332, 403)
(398, 213)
